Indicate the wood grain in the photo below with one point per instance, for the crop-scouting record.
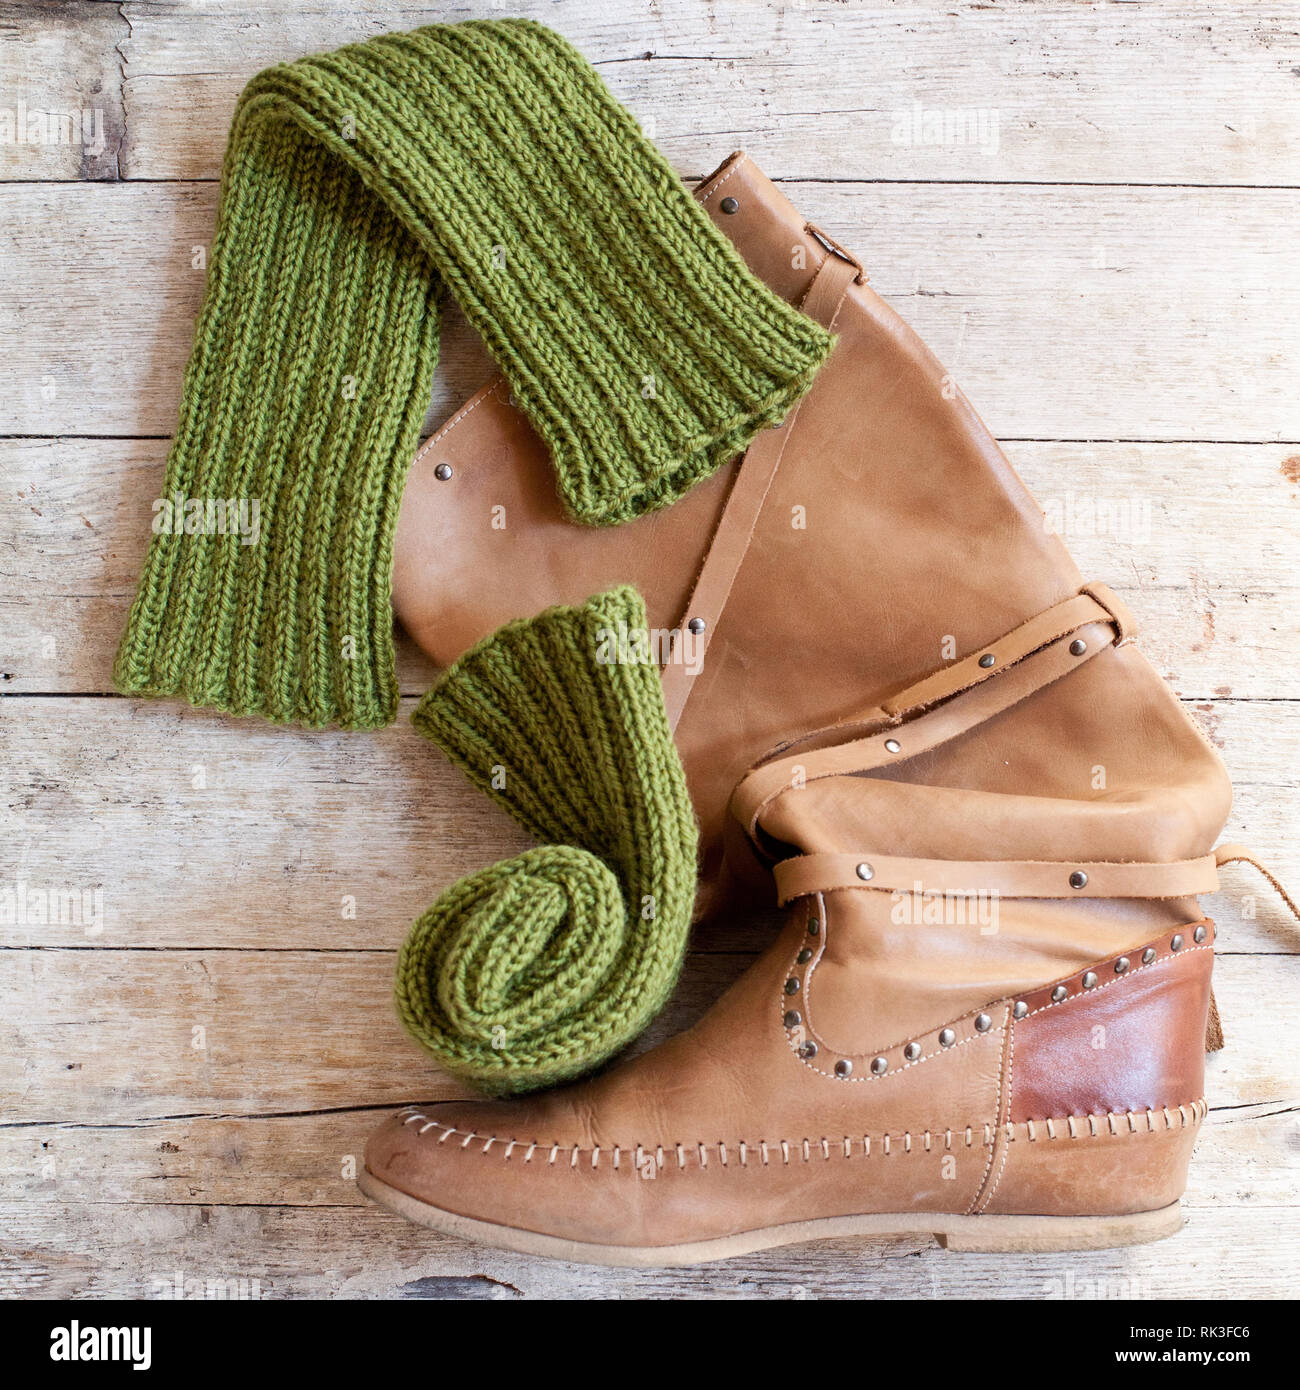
(78, 1249)
(290, 829)
(1086, 92)
(1201, 541)
(62, 102)
(1114, 285)
(1245, 1156)
(1079, 313)
(105, 1037)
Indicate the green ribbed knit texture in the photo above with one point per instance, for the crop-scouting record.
(489, 158)
(543, 966)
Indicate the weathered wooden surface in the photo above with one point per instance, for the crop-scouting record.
(323, 1252)
(1157, 93)
(290, 827)
(1199, 539)
(1064, 312)
(1114, 285)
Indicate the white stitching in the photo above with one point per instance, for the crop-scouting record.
(805, 995)
(488, 391)
(1118, 980)
(1004, 1106)
(741, 160)
(1188, 1114)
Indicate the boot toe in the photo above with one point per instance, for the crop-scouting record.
(491, 1171)
(422, 1151)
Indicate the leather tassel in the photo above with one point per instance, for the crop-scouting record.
(1214, 1040)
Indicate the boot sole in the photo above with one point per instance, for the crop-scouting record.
(974, 1234)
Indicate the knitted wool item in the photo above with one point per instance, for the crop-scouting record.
(487, 157)
(541, 967)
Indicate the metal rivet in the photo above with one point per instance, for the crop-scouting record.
(808, 1049)
(947, 1038)
(844, 1068)
(729, 205)
(1121, 965)
(1176, 944)
(912, 1051)
(1089, 980)
(1078, 879)
(880, 1066)
(792, 986)
(1198, 935)
(1059, 993)
(442, 472)
(804, 956)
(792, 1019)
(987, 660)
(1148, 955)
(892, 745)
(1020, 1010)
(865, 872)
(697, 625)
(1078, 647)
(814, 926)
(983, 1023)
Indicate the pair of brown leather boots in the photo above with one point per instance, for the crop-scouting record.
(987, 817)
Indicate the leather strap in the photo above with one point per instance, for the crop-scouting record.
(1240, 854)
(744, 505)
(1058, 621)
(948, 703)
(1094, 602)
(1024, 878)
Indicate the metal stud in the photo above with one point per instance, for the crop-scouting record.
(1078, 879)
(844, 1068)
(1089, 980)
(987, 660)
(983, 1023)
(947, 1038)
(792, 986)
(892, 745)
(1020, 1010)
(729, 205)
(697, 625)
(1199, 935)
(808, 1049)
(792, 1019)
(1176, 944)
(865, 872)
(1059, 993)
(912, 1051)
(1078, 647)
(814, 926)
(1148, 955)
(442, 472)
(880, 1066)
(804, 956)
(1121, 965)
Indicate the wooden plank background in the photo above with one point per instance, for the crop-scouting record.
(186, 1083)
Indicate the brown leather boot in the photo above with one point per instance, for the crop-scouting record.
(988, 816)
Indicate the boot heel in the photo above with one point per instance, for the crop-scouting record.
(990, 1235)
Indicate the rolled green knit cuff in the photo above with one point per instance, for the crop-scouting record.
(541, 967)
(487, 157)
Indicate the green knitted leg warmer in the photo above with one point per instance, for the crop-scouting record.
(487, 158)
(543, 966)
